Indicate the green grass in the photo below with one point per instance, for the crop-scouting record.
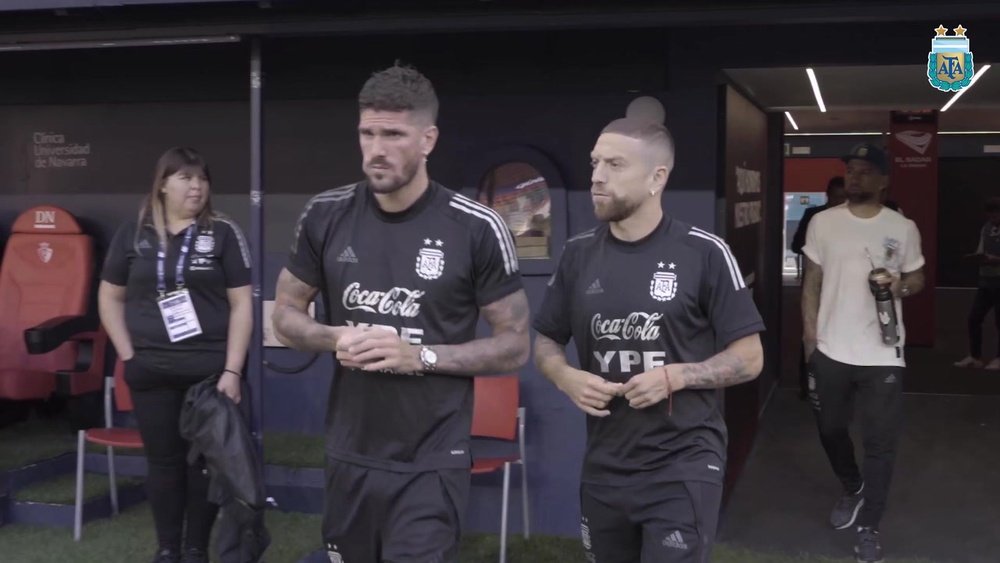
(34, 440)
(62, 490)
(130, 538)
(294, 450)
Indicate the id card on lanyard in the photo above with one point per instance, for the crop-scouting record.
(176, 307)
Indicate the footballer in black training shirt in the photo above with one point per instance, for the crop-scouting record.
(661, 318)
(405, 267)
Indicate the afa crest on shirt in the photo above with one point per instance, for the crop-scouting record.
(430, 263)
(663, 286)
(204, 244)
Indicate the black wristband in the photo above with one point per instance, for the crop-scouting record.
(236, 373)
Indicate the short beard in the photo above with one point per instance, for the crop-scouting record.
(615, 210)
(382, 187)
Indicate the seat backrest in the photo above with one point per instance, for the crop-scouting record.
(123, 395)
(47, 272)
(495, 404)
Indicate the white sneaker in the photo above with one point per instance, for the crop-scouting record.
(994, 365)
(970, 362)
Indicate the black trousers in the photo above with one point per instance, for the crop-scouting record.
(878, 390)
(379, 516)
(651, 523)
(986, 299)
(177, 492)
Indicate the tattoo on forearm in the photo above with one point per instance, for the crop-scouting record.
(506, 350)
(300, 331)
(292, 325)
(722, 370)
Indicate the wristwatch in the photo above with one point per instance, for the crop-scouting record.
(428, 358)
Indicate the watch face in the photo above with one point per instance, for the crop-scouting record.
(428, 356)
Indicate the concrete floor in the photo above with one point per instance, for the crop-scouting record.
(945, 499)
(944, 503)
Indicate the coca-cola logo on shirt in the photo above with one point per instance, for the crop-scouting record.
(636, 326)
(398, 301)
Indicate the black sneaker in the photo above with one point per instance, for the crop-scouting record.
(846, 511)
(194, 555)
(869, 548)
(167, 556)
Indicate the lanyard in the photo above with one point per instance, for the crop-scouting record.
(161, 257)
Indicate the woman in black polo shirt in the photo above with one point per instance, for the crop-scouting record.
(175, 300)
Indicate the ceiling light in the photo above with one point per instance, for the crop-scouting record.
(958, 94)
(815, 85)
(792, 121)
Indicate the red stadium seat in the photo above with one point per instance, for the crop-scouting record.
(50, 337)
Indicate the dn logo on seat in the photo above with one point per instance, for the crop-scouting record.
(45, 219)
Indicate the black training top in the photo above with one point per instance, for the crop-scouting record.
(424, 273)
(676, 296)
(218, 259)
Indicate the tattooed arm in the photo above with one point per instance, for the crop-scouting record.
(741, 361)
(506, 350)
(293, 326)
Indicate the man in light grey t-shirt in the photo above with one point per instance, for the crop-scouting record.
(847, 358)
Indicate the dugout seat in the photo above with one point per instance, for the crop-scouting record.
(51, 341)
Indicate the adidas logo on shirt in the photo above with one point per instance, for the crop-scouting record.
(675, 541)
(348, 256)
(594, 288)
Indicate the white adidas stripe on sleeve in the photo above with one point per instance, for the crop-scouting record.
(734, 270)
(498, 225)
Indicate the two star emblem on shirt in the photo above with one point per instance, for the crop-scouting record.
(661, 264)
(439, 243)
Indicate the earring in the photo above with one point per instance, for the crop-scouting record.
(652, 192)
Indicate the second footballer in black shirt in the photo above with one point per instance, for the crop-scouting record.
(405, 267)
(661, 318)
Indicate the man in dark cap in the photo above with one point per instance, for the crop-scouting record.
(849, 361)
